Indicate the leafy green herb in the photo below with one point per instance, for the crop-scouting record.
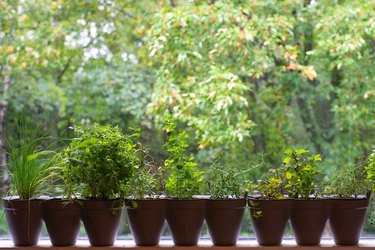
(99, 161)
(184, 180)
(271, 188)
(300, 173)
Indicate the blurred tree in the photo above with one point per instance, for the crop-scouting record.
(276, 72)
(50, 47)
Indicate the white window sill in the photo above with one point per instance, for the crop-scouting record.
(241, 244)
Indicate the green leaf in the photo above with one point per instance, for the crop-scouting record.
(288, 175)
(302, 151)
(286, 160)
(36, 155)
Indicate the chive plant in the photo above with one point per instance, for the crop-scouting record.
(28, 164)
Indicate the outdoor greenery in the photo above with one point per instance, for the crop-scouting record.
(240, 78)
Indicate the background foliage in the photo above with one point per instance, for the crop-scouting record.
(243, 77)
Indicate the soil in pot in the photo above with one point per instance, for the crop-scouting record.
(62, 220)
(24, 220)
(269, 218)
(224, 220)
(347, 219)
(101, 219)
(308, 219)
(146, 220)
(185, 219)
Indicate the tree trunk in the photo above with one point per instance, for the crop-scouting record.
(3, 156)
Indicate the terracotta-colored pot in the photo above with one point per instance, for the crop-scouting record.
(224, 220)
(101, 219)
(146, 220)
(185, 219)
(269, 218)
(62, 220)
(347, 219)
(308, 219)
(24, 220)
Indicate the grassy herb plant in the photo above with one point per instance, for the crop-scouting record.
(99, 161)
(301, 172)
(184, 179)
(225, 182)
(349, 183)
(29, 165)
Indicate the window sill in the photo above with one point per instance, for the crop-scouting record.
(242, 245)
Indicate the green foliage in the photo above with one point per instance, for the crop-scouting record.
(350, 183)
(184, 179)
(272, 188)
(147, 181)
(370, 171)
(225, 182)
(30, 166)
(100, 159)
(300, 70)
(301, 173)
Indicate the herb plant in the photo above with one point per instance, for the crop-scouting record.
(147, 180)
(370, 171)
(225, 182)
(29, 165)
(300, 173)
(271, 188)
(184, 180)
(348, 184)
(100, 160)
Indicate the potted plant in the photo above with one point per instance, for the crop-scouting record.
(185, 214)
(62, 218)
(29, 167)
(348, 206)
(99, 160)
(270, 209)
(62, 214)
(309, 212)
(226, 206)
(145, 207)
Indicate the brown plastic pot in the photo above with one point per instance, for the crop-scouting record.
(62, 220)
(308, 219)
(146, 220)
(347, 219)
(101, 219)
(24, 220)
(224, 220)
(185, 219)
(269, 218)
